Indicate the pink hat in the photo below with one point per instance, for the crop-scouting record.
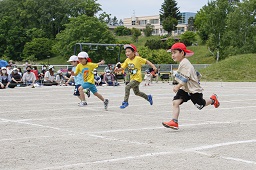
(130, 46)
(182, 47)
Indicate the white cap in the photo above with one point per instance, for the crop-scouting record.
(51, 66)
(3, 68)
(59, 71)
(73, 58)
(15, 69)
(83, 55)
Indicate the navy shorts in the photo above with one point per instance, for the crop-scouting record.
(76, 91)
(196, 98)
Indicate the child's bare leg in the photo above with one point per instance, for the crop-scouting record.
(176, 108)
(208, 102)
(81, 91)
(99, 96)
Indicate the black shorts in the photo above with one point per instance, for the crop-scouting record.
(196, 98)
(76, 91)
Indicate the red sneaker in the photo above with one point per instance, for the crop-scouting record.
(171, 124)
(216, 102)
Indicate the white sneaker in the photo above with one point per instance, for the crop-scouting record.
(82, 104)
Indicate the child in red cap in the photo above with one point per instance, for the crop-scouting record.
(134, 64)
(188, 87)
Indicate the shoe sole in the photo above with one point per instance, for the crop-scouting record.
(172, 127)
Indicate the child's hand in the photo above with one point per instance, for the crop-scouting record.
(175, 89)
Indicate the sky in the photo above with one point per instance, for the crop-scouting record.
(125, 9)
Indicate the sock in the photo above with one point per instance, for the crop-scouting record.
(212, 101)
(175, 120)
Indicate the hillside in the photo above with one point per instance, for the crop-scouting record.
(234, 68)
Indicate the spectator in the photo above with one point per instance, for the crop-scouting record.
(70, 81)
(49, 77)
(5, 78)
(147, 77)
(20, 72)
(9, 69)
(109, 78)
(60, 78)
(16, 78)
(29, 77)
(97, 78)
(36, 72)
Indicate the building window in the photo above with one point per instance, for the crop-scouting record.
(143, 22)
(154, 21)
(133, 22)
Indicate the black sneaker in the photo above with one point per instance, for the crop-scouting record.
(106, 104)
(88, 92)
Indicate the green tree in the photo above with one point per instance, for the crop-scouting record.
(85, 29)
(169, 15)
(191, 26)
(122, 31)
(211, 25)
(135, 34)
(148, 30)
(188, 38)
(39, 48)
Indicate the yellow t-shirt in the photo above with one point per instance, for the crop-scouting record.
(134, 67)
(86, 71)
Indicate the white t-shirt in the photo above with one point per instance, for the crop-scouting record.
(49, 76)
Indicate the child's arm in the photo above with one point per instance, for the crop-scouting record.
(177, 87)
(101, 62)
(152, 65)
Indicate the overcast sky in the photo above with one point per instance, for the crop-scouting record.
(124, 8)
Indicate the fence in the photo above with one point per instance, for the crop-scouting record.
(164, 68)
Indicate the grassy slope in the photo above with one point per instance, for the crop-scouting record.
(235, 68)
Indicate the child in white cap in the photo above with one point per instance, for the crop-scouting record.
(86, 67)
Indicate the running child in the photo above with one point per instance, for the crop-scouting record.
(78, 81)
(134, 64)
(86, 67)
(188, 87)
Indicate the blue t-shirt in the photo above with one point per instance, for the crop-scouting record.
(78, 79)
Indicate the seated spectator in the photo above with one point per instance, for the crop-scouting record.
(20, 72)
(36, 72)
(147, 77)
(29, 77)
(109, 79)
(60, 78)
(49, 78)
(5, 78)
(97, 78)
(16, 78)
(9, 69)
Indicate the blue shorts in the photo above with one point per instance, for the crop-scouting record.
(76, 91)
(90, 86)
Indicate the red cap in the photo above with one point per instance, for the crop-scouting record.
(130, 46)
(182, 47)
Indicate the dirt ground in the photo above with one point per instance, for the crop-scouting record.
(43, 128)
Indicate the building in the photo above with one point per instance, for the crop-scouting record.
(141, 22)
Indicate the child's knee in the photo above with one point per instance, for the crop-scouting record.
(80, 88)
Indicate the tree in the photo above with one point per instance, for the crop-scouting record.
(38, 48)
(87, 30)
(135, 34)
(188, 38)
(122, 31)
(191, 26)
(148, 30)
(169, 15)
(211, 25)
